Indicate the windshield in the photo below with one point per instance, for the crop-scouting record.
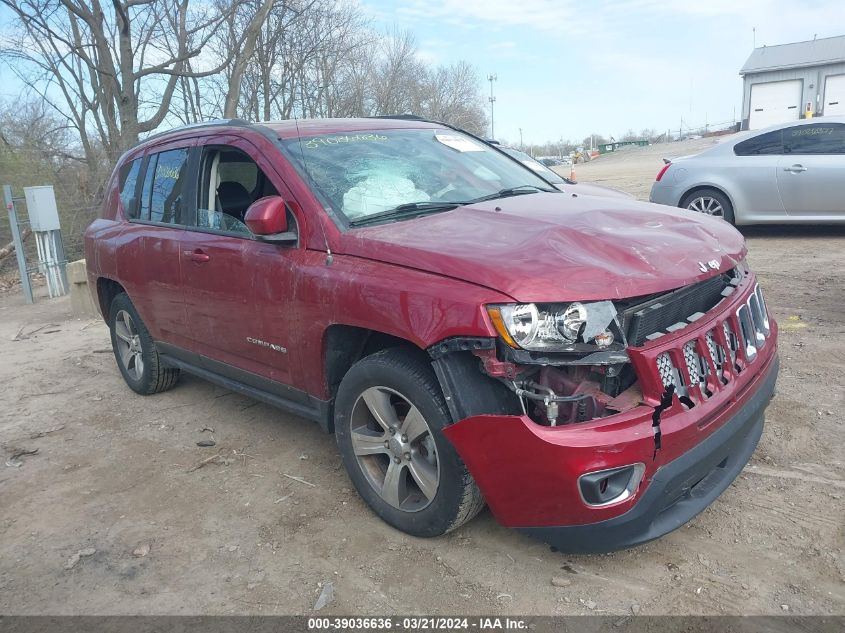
(536, 165)
(366, 173)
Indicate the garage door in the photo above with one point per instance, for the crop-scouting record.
(776, 102)
(834, 95)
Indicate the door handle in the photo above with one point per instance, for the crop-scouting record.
(795, 169)
(197, 256)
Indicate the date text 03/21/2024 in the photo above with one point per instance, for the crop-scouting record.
(417, 623)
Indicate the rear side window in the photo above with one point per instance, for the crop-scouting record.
(128, 185)
(165, 183)
(765, 144)
(817, 138)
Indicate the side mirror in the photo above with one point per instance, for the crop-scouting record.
(267, 218)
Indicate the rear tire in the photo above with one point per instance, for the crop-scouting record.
(135, 351)
(709, 202)
(389, 417)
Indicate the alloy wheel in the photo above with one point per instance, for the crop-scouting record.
(707, 205)
(394, 448)
(129, 344)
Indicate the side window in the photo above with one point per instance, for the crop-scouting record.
(128, 180)
(170, 175)
(230, 181)
(817, 138)
(147, 188)
(243, 173)
(765, 144)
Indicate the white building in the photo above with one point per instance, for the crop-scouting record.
(782, 82)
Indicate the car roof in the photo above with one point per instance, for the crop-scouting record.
(314, 127)
(293, 128)
(726, 144)
(799, 122)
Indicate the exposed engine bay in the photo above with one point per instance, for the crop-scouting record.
(562, 395)
(568, 390)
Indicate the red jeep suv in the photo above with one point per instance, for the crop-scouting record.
(595, 369)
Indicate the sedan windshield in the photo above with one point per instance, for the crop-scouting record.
(411, 171)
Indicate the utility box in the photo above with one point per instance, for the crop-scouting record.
(41, 206)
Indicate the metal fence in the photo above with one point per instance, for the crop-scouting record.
(74, 221)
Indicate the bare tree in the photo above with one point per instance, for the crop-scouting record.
(250, 27)
(118, 71)
(398, 74)
(453, 94)
(112, 71)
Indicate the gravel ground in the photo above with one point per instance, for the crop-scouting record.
(112, 514)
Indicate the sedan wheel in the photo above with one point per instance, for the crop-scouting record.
(706, 204)
(394, 447)
(709, 201)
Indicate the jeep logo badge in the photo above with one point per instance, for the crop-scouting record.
(713, 263)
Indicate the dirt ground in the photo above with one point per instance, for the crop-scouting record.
(111, 515)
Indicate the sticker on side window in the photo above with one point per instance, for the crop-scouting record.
(460, 143)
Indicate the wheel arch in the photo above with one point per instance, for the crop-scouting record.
(107, 290)
(344, 345)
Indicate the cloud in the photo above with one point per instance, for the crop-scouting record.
(627, 16)
(567, 68)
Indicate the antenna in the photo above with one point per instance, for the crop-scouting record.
(491, 78)
(329, 256)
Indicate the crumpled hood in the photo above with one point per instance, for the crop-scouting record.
(558, 247)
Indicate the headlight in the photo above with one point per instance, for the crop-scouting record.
(570, 322)
(555, 327)
(522, 322)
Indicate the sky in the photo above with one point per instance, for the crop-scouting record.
(566, 69)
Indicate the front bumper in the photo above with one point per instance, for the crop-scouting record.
(678, 490)
(528, 473)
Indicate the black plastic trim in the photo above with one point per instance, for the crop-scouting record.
(249, 384)
(461, 344)
(581, 354)
(679, 490)
(469, 391)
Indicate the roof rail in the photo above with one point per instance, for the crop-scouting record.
(197, 125)
(402, 117)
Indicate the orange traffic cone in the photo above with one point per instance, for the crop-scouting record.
(572, 172)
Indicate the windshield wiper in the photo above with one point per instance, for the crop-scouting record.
(414, 209)
(409, 210)
(513, 191)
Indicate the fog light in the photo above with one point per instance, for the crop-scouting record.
(603, 487)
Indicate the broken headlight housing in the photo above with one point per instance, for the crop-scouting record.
(558, 327)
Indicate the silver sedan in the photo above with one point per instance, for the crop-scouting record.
(564, 184)
(788, 173)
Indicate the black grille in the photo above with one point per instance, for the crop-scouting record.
(657, 314)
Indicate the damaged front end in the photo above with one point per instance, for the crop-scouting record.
(576, 410)
(575, 362)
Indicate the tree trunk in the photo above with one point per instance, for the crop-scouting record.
(10, 247)
(230, 109)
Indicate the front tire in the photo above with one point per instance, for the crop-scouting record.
(135, 351)
(389, 418)
(709, 202)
